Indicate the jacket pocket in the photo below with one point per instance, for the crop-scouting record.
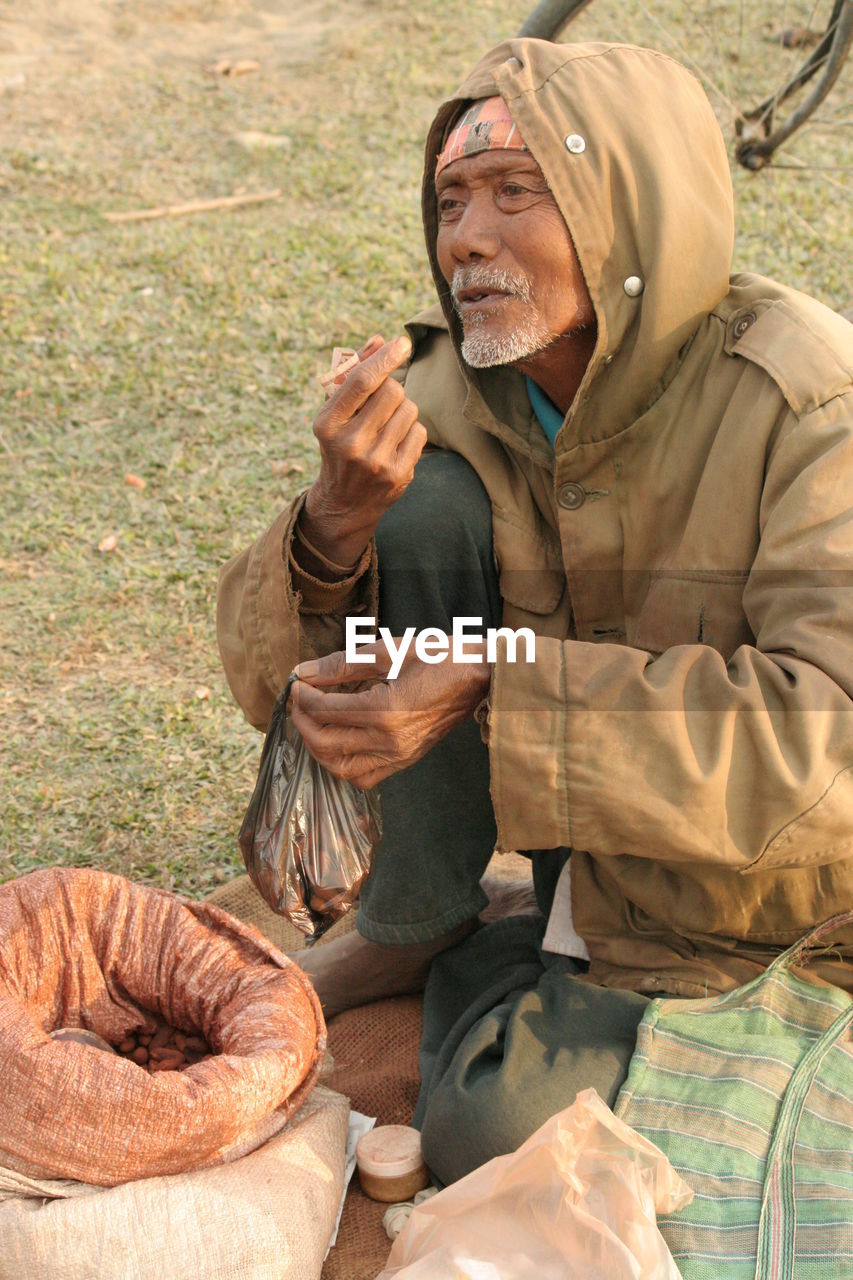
(529, 564)
(705, 607)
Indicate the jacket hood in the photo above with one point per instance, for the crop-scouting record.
(649, 195)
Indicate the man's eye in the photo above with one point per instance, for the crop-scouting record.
(448, 208)
(515, 190)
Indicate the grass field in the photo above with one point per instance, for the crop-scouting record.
(184, 351)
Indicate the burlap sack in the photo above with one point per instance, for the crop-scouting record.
(83, 948)
(375, 1064)
(267, 1216)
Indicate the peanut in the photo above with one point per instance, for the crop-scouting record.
(164, 1049)
(158, 1052)
(167, 1064)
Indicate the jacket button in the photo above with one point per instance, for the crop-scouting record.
(571, 495)
(742, 324)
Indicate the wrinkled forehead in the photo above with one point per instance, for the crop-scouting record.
(486, 125)
(486, 166)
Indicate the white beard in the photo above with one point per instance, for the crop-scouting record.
(481, 349)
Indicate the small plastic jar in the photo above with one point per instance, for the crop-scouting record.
(390, 1165)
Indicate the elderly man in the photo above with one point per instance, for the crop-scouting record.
(601, 437)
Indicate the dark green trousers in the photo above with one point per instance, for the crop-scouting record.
(510, 1033)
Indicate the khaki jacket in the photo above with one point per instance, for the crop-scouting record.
(684, 553)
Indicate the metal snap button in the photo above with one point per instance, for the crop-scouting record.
(575, 144)
(742, 324)
(633, 286)
(571, 495)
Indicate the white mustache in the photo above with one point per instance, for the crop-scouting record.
(511, 282)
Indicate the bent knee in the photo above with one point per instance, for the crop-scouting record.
(444, 514)
(455, 1138)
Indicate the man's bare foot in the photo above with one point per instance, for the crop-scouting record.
(350, 970)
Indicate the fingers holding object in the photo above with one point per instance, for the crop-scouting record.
(329, 746)
(338, 710)
(330, 743)
(334, 669)
(344, 359)
(363, 770)
(377, 443)
(378, 410)
(372, 345)
(366, 378)
(410, 448)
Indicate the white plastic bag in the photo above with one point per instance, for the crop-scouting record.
(577, 1199)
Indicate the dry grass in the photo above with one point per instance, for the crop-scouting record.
(185, 351)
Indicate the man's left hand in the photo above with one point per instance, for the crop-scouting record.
(368, 735)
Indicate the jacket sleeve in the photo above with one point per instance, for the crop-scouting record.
(687, 757)
(272, 615)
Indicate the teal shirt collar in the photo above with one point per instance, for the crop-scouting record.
(547, 414)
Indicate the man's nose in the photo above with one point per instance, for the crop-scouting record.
(475, 234)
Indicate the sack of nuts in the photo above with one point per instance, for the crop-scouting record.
(217, 1037)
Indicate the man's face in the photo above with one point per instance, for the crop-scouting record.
(507, 255)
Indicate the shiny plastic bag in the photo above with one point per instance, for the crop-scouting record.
(576, 1201)
(307, 837)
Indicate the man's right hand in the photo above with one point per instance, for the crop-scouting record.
(370, 439)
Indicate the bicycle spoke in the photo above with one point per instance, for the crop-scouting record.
(816, 168)
(751, 75)
(801, 167)
(686, 57)
(793, 215)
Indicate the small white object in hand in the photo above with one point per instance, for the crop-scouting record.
(343, 359)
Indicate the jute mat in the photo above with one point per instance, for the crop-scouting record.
(375, 1052)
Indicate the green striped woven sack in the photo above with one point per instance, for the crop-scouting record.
(750, 1095)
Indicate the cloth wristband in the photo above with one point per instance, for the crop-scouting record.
(344, 571)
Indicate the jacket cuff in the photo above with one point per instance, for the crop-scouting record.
(528, 735)
(315, 595)
(257, 624)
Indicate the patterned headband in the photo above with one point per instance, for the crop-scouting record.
(485, 126)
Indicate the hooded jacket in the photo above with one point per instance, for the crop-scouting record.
(684, 552)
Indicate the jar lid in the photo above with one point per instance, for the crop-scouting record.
(389, 1151)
